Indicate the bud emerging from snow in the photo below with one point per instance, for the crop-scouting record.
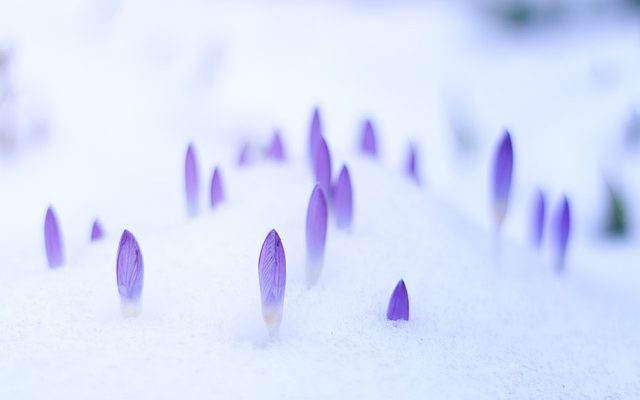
(243, 158)
(368, 144)
(316, 234)
(502, 172)
(315, 133)
(322, 166)
(129, 274)
(275, 151)
(97, 232)
(191, 182)
(539, 209)
(217, 192)
(53, 240)
(343, 199)
(412, 167)
(562, 231)
(272, 275)
(398, 303)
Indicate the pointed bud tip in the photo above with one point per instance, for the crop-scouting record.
(399, 303)
(97, 232)
(343, 199)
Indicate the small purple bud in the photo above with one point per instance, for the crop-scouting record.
(343, 199)
(244, 157)
(129, 274)
(316, 234)
(191, 182)
(315, 133)
(502, 172)
(412, 167)
(322, 166)
(272, 275)
(539, 208)
(563, 229)
(97, 232)
(276, 150)
(217, 193)
(368, 145)
(53, 240)
(398, 303)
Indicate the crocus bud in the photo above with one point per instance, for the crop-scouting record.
(272, 275)
(537, 224)
(316, 234)
(322, 166)
(368, 144)
(398, 303)
(53, 240)
(411, 166)
(315, 133)
(562, 231)
(245, 157)
(129, 275)
(275, 151)
(217, 192)
(502, 172)
(97, 232)
(343, 199)
(191, 182)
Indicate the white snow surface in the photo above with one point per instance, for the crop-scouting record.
(127, 85)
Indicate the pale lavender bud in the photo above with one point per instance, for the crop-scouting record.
(412, 164)
(275, 151)
(129, 274)
(245, 155)
(97, 232)
(315, 133)
(502, 172)
(539, 210)
(343, 199)
(217, 192)
(562, 230)
(398, 303)
(272, 275)
(322, 166)
(368, 144)
(53, 240)
(316, 234)
(191, 181)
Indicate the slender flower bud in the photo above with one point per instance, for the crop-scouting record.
(315, 133)
(130, 275)
(322, 166)
(368, 144)
(502, 172)
(316, 234)
(272, 275)
(343, 199)
(275, 151)
(217, 192)
(562, 230)
(411, 166)
(539, 209)
(97, 232)
(53, 240)
(191, 182)
(244, 157)
(398, 303)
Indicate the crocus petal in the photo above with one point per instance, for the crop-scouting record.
(217, 192)
(539, 209)
(502, 172)
(272, 275)
(368, 144)
(97, 232)
(322, 166)
(315, 133)
(343, 199)
(129, 274)
(276, 149)
(563, 230)
(191, 182)
(411, 166)
(53, 240)
(398, 303)
(316, 234)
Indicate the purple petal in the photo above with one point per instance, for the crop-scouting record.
(539, 209)
(412, 168)
(53, 240)
(244, 157)
(97, 232)
(191, 182)
(322, 166)
(129, 269)
(315, 133)
(398, 303)
(276, 149)
(316, 234)
(217, 193)
(502, 172)
(563, 229)
(343, 199)
(368, 145)
(272, 275)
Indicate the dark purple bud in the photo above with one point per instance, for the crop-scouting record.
(191, 182)
(502, 171)
(97, 232)
(276, 150)
(398, 303)
(272, 275)
(563, 229)
(343, 199)
(322, 166)
(129, 274)
(315, 133)
(539, 209)
(316, 234)
(244, 157)
(368, 145)
(217, 192)
(53, 240)
(412, 167)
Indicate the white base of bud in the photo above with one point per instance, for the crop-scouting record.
(130, 309)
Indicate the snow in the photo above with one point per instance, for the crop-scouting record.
(125, 86)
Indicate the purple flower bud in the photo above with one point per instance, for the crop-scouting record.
(129, 274)
(191, 182)
(368, 145)
(502, 171)
(53, 240)
(398, 303)
(316, 234)
(412, 167)
(539, 207)
(315, 133)
(97, 232)
(244, 157)
(343, 199)
(272, 275)
(217, 193)
(322, 166)
(563, 229)
(276, 149)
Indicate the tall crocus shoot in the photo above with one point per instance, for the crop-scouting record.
(502, 172)
(129, 275)
(411, 167)
(537, 223)
(315, 133)
(562, 232)
(217, 191)
(398, 308)
(272, 275)
(275, 151)
(322, 166)
(343, 199)
(316, 234)
(368, 143)
(97, 232)
(53, 240)
(191, 182)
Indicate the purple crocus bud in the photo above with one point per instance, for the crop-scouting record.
(322, 166)
(53, 240)
(368, 144)
(412, 167)
(315, 133)
(398, 303)
(562, 229)
(316, 234)
(343, 199)
(539, 209)
(97, 232)
(217, 193)
(276, 150)
(272, 275)
(502, 172)
(244, 157)
(129, 274)
(191, 182)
